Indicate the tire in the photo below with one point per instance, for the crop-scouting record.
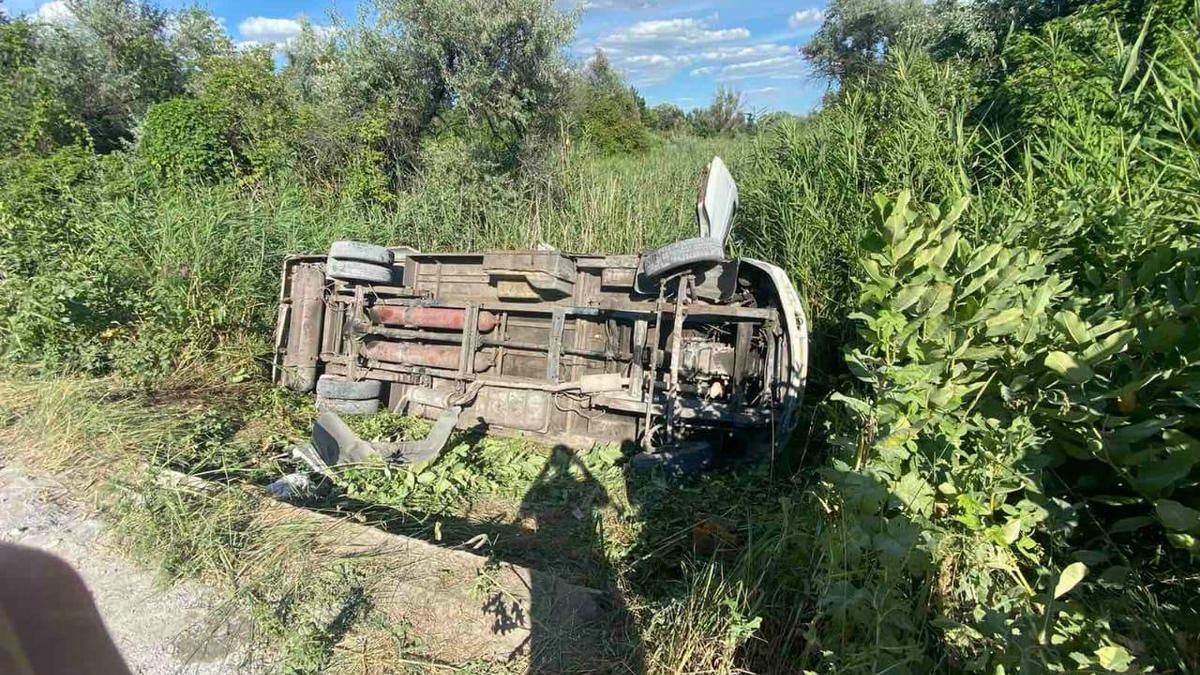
(684, 459)
(332, 386)
(353, 270)
(681, 254)
(357, 250)
(346, 407)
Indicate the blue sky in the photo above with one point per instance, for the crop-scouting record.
(676, 51)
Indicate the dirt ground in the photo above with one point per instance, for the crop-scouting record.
(160, 629)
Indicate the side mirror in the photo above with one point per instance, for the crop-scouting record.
(717, 203)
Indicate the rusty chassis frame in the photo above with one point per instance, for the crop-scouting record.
(560, 347)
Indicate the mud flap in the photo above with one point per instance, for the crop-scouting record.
(335, 444)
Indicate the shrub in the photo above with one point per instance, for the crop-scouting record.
(254, 106)
(57, 299)
(608, 110)
(187, 139)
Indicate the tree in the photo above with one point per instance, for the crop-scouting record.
(724, 116)
(666, 117)
(609, 111)
(497, 63)
(856, 35)
(491, 71)
(197, 37)
(108, 65)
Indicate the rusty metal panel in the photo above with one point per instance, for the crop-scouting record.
(304, 328)
(618, 277)
(434, 356)
(556, 340)
(429, 317)
(524, 409)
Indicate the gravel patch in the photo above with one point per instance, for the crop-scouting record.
(160, 629)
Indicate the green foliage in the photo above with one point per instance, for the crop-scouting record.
(109, 65)
(856, 34)
(493, 73)
(802, 189)
(1011, 479)
(186, 139)
(57, 300)
(666, 117)
(33, 118)
(254, 107)
(608, 110)
(724, 116)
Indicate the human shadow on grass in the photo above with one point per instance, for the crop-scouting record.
(561, 510)
(557, 532)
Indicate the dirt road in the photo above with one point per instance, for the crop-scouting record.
(160, 630)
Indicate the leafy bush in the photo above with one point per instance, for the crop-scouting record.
(58, 301)
(254, 106)
(187, 139)
(608, 109)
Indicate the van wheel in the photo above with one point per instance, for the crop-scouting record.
(681, 254)
(353, 270)
(343, 406)
(332, 386)
(357, 250)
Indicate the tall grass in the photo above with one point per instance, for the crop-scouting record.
(184, 278)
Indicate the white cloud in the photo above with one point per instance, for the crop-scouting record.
(54, 12)
(650, 52)
(786, 67)
(747, 53)
(269, 29)
(763, 92)
(275, 32)
(666, 32)
(805, 18)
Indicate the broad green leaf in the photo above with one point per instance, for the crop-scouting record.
(1115, 658)
(982, 257)
(854, 361)
(982, 353)
(896, 223)
(1107, 327)
(1116, 575)
(979, 282)
(1132, 433)
(1041, 297)
(1184, 541)
(1076, 327)
(902, 249)
(1110, 345)
(923, 257)
(1177, 517)
(956, 211)
(1005, 323)
(1011, 531)
(946, 250)
(1130, 524)
(1068, 368)
(915, 494)
(908, 296)
(1165, 335)
(1069, 578)
(859, 406)
(936, 299)
(875, 273)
